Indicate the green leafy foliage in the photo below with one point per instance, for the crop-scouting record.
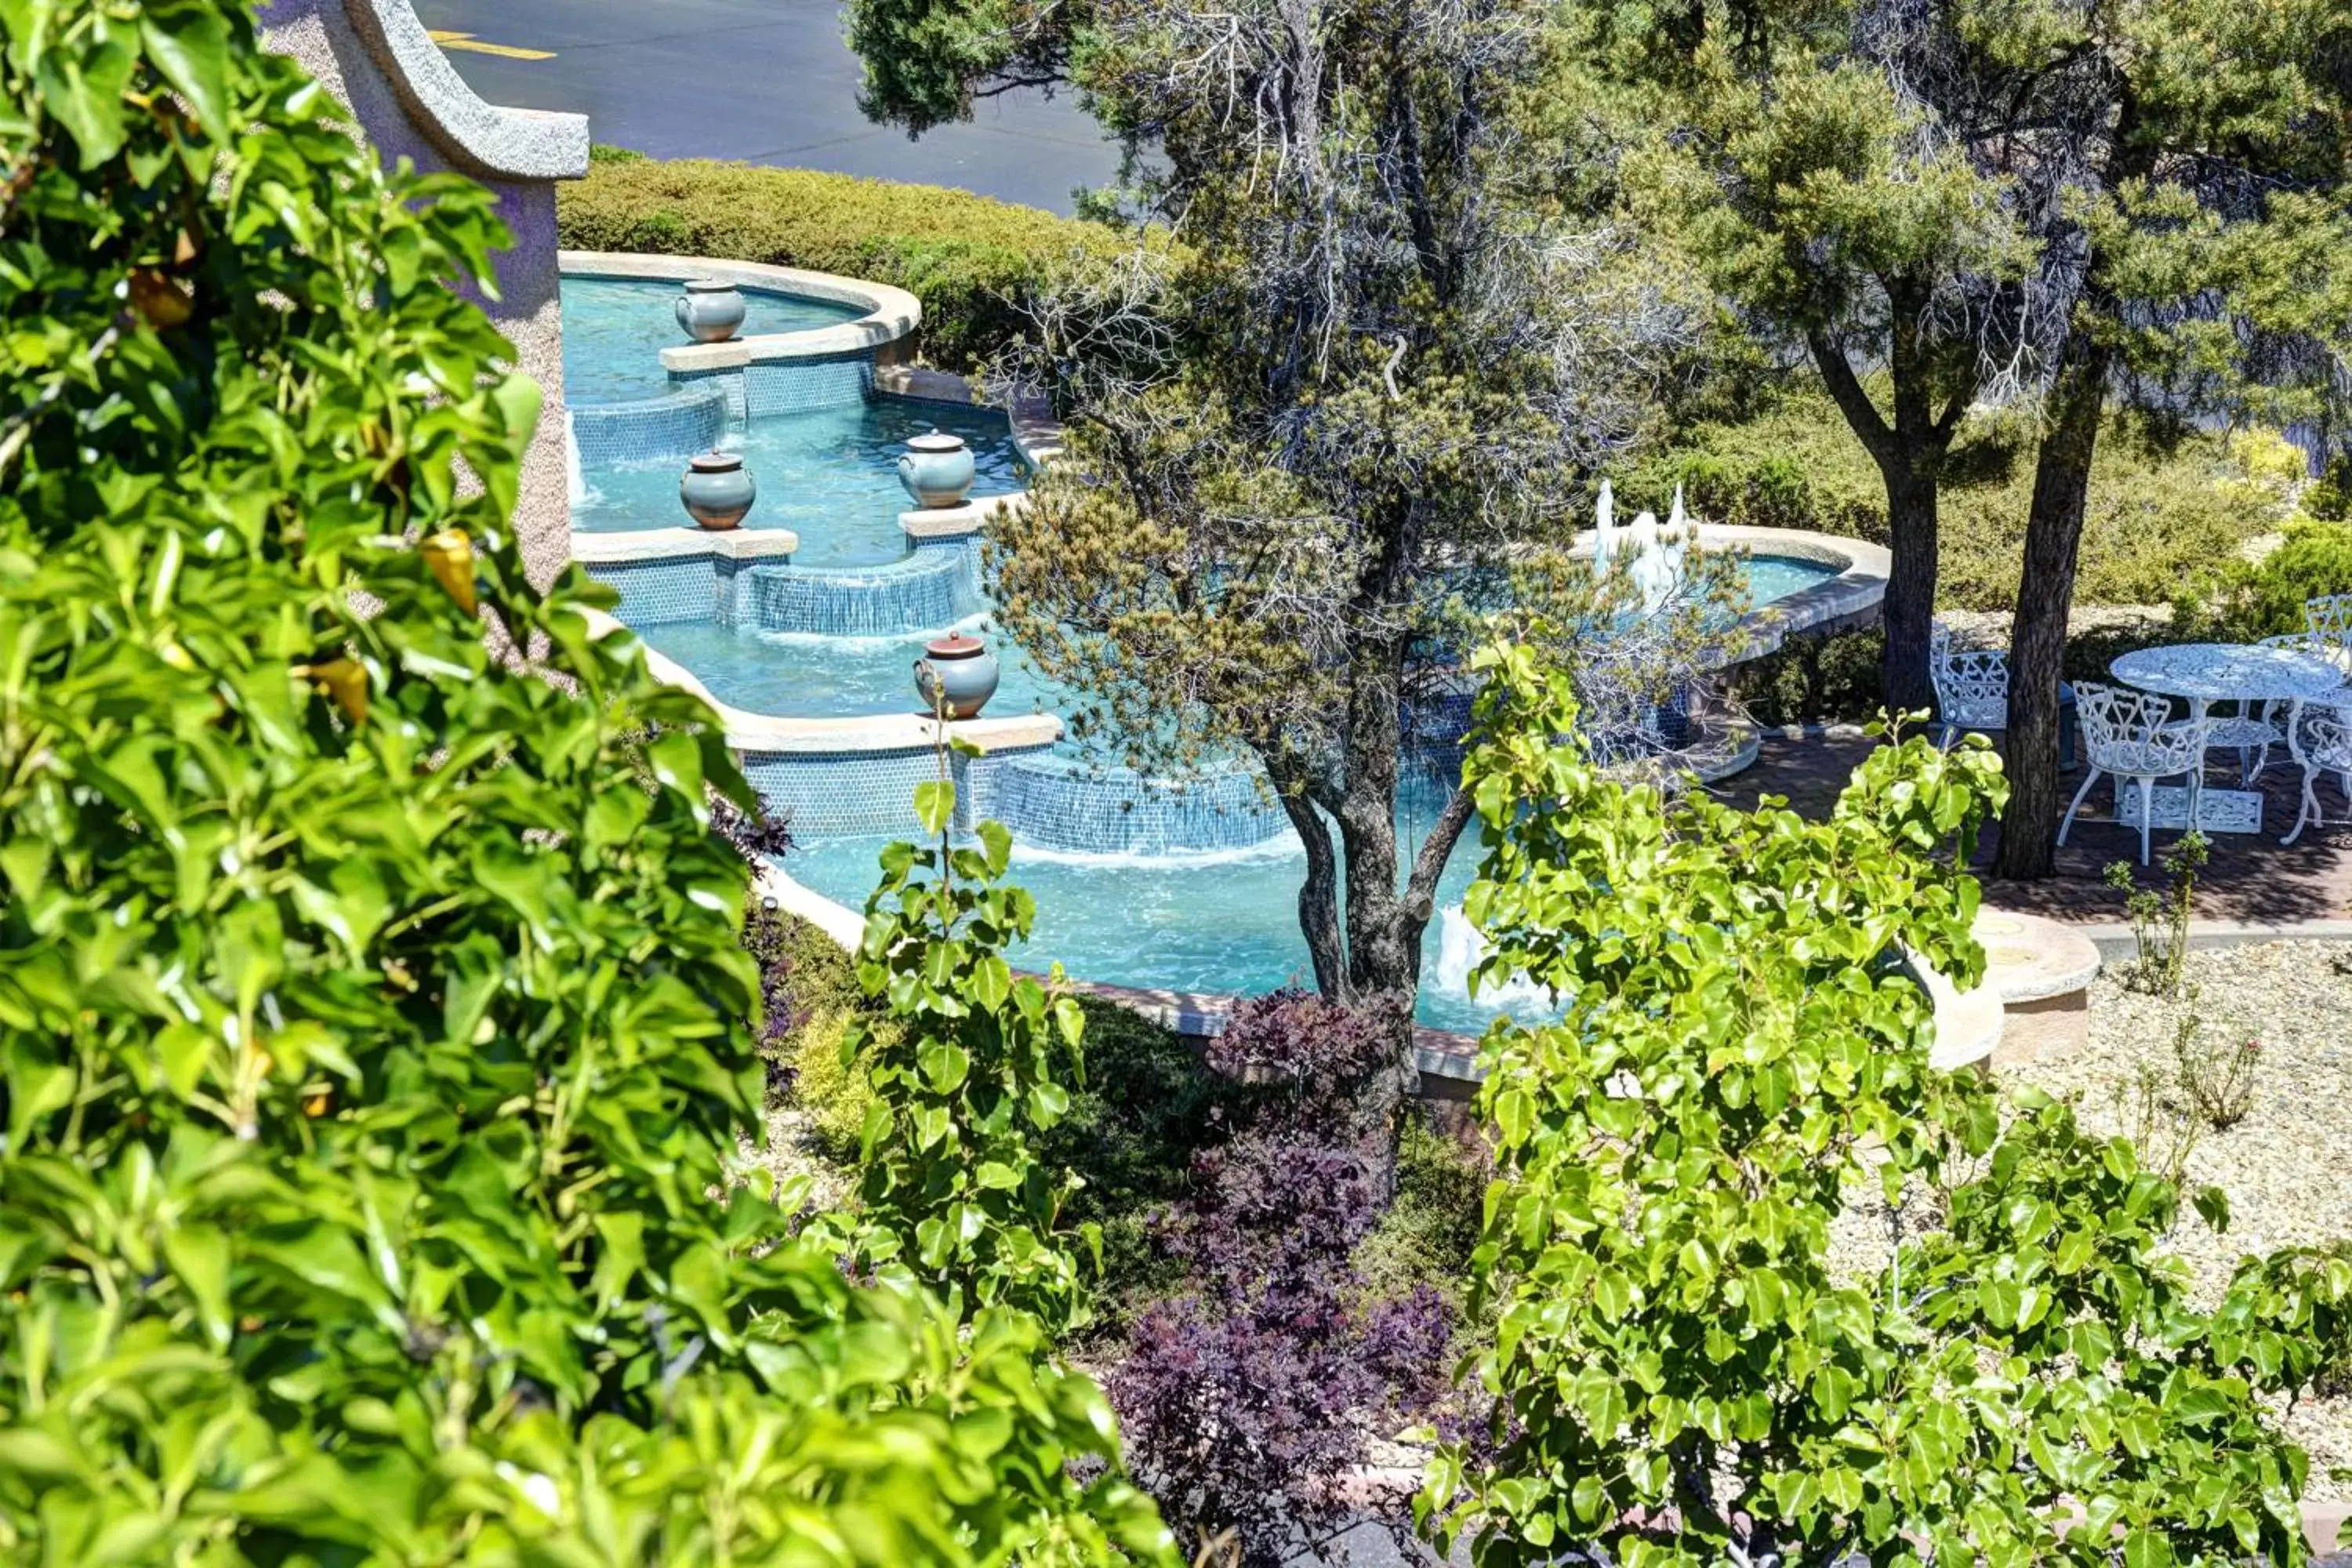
(372, 1008)
(1434, 1216)
(829, 1083)
(1678, 1372)
(971, 260)
(1813, 679)
(2244, 600)
(980, 1063)
(2160, 514)
(1146, 1108)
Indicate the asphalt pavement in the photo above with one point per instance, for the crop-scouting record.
(766, 81)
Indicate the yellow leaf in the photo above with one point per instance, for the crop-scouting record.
(450, 557)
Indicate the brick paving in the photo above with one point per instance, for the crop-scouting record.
(2249, 876)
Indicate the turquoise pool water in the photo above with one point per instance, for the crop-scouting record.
(1214, 923)
(834, 677)
(830, 475)
(829, 676)
(615, 329)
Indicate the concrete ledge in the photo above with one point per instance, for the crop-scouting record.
(892, 313)
(956, 521)
(877, 733)
(885, 733)
(2115, 940)
(482, 139)
(683, 543)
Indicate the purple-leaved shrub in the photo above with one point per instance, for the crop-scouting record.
(1251, 1401)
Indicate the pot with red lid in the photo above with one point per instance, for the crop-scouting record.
(956, 674)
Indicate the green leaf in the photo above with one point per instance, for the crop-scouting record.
(935, 805)
(83, 89)
(189, 46)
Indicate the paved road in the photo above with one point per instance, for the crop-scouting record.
(769, 82)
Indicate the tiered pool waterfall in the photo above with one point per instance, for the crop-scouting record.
(804, 628)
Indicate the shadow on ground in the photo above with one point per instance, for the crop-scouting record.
(2249, 877)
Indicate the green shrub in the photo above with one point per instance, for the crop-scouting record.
(600, 153)
(2329, 497)
(371, 1019)
(2160, 512)
(1814, 679)
(2244, 600)
(1683, 1371)
(968, 258)
(1432, 1223)
(832, 1093)
(1149, 1105)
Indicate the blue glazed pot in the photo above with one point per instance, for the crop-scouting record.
(937, 469)
(958, 672)
(717, 490)
(710, 310)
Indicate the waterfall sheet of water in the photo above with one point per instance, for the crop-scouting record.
(1460, 949)
(575, 479)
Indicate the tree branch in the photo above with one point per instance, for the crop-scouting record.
(1846, 389)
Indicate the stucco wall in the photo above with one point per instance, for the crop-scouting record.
(373, 55)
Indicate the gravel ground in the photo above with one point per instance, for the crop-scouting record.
(2287, 1167)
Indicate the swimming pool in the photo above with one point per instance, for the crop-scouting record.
(615, 329)
(801, 675)
(1225, 922)
(830, 475)
(1188, 885)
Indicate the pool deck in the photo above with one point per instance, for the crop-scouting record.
(2251, 887)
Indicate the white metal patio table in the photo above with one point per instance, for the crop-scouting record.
(2202, 674)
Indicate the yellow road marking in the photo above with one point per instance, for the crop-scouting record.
(506, 51)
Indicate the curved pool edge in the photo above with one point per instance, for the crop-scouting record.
(1851, 598)
(766, 733)
(891, 316)
(1447, 1059)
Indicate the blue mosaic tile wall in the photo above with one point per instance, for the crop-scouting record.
(928, 589)
(1432, 730)
(653, 592)
(671, 428)
(790, 386)
(1053, 804)
(730, 385)
(836, 795)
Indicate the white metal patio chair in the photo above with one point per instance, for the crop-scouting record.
(1971, 686)
(2327, 621)
(2321, 741)
(1972, 693)
(2132, 735)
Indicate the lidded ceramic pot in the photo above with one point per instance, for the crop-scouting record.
(710, 310)
(937, 469)
(717, 490)
(958, 673)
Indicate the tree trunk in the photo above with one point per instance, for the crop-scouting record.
(1909, 608)
(1318, 895)
(2037, 642)
(1383, 954)
(1909, 450)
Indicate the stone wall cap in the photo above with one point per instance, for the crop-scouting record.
(684, 543)
(481, 139)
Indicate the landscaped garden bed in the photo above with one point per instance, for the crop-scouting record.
(2286, 1167)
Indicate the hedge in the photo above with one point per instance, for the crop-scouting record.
(968, 258)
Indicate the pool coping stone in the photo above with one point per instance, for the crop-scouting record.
(681, 542)
(892, 313)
